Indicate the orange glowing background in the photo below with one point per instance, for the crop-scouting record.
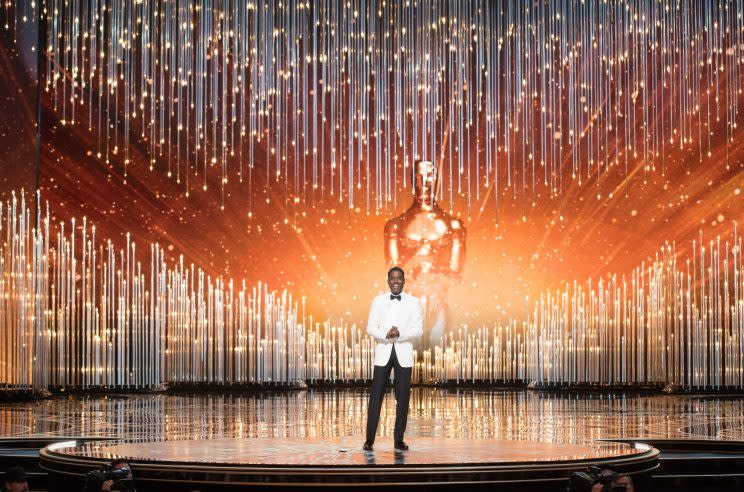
(332, 254)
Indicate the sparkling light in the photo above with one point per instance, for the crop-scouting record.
(336, 100)
(81, 314)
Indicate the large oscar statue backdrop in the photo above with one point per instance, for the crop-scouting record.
(429, 244)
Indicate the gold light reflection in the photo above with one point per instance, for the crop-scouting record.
(80, 314)
(469, 414)
(517, 95)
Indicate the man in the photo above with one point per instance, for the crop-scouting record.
(123, 483)
(116, 476)
(16, 480)
(395, 320)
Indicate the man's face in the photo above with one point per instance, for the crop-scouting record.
(396, 282)
(16, 486)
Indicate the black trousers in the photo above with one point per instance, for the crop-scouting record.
(402, 386)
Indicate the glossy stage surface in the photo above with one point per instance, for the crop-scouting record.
(224, 464)
(556, 417)
(313, 437)
(346, 451)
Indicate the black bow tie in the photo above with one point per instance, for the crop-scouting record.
(394, 297)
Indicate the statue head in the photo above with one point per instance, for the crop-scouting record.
(424, 175)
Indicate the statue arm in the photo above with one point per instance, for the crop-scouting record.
(457, 255)
(392, 249)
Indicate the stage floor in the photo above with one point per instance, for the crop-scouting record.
(320, 463)
(313, 438)
(346, 451)
(557, 417)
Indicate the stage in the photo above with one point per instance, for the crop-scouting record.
(286, 462)
(517, 438)
(219, 217)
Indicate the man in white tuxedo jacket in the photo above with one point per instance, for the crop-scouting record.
(395, 319)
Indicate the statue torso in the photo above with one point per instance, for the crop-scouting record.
(424, 238)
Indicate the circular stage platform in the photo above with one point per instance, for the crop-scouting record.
(221, 464)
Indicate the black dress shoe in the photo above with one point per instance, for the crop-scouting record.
(367, 446)
(401, 446)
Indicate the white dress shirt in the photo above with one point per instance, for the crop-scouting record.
(407, 315)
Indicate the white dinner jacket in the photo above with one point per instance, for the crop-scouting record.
(407, 315)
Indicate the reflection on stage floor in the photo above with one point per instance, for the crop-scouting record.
(557, 417)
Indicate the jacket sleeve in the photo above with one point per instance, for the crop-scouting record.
(416, 327)
(373, 324)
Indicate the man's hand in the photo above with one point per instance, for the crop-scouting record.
(393, 332)
(107, 485)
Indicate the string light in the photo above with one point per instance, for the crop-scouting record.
(80, 313)
(335, 101)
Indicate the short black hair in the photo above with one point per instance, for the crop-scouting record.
(15, 474)
(119, 461)
(397, 269)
